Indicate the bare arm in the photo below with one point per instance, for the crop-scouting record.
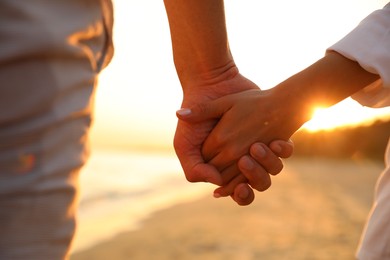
(324, 83)
(199, 40)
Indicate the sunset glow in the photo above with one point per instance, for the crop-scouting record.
(346, 113)
(139, 92)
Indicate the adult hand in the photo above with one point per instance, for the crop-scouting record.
(189, 136)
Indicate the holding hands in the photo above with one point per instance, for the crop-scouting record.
(234, 146)
(229, 130)
(250, 120)
(207, 71)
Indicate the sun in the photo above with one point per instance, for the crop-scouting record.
(345, 113)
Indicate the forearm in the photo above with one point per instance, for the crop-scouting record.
(325, 83)
(199, 41)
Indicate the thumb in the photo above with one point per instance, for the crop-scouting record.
(202, 111)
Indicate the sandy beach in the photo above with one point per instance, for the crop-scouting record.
(315, 209)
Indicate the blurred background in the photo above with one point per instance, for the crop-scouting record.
(133, 171)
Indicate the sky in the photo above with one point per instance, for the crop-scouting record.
(139, 92)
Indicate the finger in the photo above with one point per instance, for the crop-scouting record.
(243, 194)
(191, 160)
(223, 157)
(229, 173)
(228, 189)
(283, 149)
(203, 111)
(196, 170)
(202, 172)
(222, 147)
(266, 158)
(257, 176)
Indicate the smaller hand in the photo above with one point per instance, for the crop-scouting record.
(242, 119)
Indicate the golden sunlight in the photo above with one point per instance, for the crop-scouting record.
(345, 113)
(139, 92)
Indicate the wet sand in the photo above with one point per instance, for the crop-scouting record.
(315, 209)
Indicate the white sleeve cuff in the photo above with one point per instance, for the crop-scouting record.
(369, 45)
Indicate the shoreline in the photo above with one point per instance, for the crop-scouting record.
(314, 211)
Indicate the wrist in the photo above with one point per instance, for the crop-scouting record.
(205, 77)
(292, 110)
(214, 84)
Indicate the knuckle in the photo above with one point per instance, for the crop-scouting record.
(202, 108)
(192, 174)
(192, 178)
(219, 140)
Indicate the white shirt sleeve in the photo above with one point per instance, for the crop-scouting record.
(369, 45)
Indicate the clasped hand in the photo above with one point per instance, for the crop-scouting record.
(224, 137)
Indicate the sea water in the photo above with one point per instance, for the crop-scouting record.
(118, 189)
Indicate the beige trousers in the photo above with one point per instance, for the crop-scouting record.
(50, 55)
(375, 241)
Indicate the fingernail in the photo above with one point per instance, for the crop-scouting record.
(246, 163)
(277, 148)
(217, 195)
(184, 111)
(259, 150)
(243, 194)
